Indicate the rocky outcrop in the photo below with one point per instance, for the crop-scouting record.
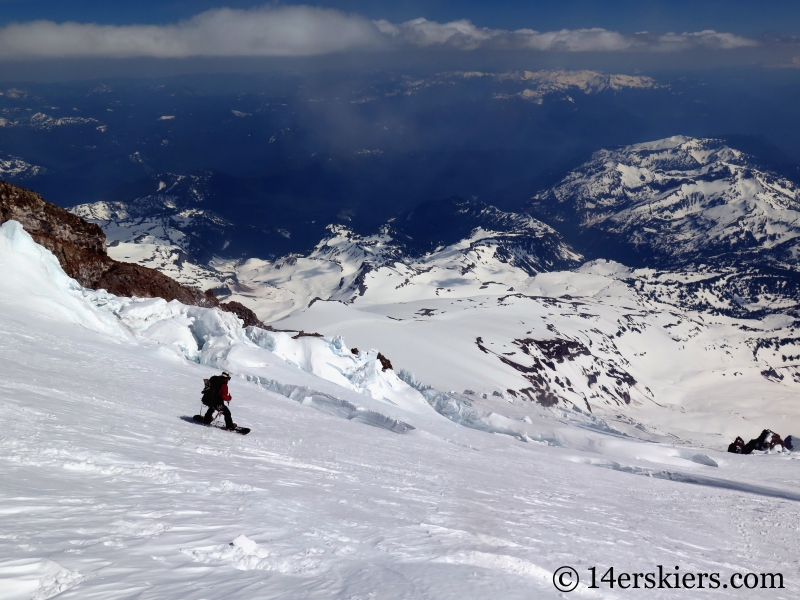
(247, 316)
(766, 442)
(80, 248)
(736, 446)
(386, 364)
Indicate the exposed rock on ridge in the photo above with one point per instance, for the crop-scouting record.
(766, 442)
(80, 248)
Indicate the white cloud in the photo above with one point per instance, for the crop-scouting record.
(309, 31)
(707, 39)
(464, 35)
(421, 32)
(574, 40)
(285, 31)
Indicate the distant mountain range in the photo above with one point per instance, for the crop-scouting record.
(298, 152)
(533, 86)
(12, 167)
(676, 204)
(165, 234)
(652, 278)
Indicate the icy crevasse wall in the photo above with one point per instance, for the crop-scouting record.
(29, 273)
(208, 336)
(216, 338)
(330, 359)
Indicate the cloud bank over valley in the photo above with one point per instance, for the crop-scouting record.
(270, 31)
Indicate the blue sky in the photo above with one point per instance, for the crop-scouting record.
(738, 16)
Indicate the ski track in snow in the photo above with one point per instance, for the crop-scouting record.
(108, 493)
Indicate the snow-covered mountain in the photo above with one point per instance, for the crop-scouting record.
(677, 201)
(174, 212)
(495, 309)
(15, 169)
(170, 230)
(535, 86)
(540, 84)
(353, 483)
(46, 122)
(430, 243)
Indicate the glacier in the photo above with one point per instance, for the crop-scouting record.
(107, 492)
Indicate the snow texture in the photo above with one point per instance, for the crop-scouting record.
(107, 492)
(683, 200)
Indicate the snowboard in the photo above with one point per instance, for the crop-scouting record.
(239, 430)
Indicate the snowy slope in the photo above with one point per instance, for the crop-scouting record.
(475, 240)
(604, 338)
(169, 230)
(678, 200)
(108, 493)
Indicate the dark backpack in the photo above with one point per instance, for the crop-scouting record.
(211, 396)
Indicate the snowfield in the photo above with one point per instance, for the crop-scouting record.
(499, 314)
(603, 338)
(353, 483)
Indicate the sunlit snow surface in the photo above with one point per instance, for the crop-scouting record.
(626, 351)
(108, 493)
(703, 354)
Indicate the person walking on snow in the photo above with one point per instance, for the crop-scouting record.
(215, 398)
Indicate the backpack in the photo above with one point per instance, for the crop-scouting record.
(211, 395)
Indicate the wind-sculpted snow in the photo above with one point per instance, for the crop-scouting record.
(205, 336)
(36, 579)
(677, 201)
(27, 266)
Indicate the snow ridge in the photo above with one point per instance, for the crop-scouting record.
(160, 231)
(681, 200)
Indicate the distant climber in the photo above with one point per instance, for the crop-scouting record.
(215, 395)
